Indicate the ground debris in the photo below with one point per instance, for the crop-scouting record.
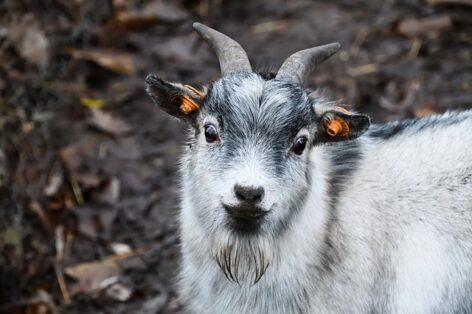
(118, 62)
(41, 303)
(427, 109)
(152, 13)
(415, 27)
(93, 277)
(30, 41)
(55, 181)
(109, 124)
(118, 291)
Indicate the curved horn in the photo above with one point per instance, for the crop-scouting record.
(298, 67)
(231, 55)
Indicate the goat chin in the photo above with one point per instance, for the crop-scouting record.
(242, 259)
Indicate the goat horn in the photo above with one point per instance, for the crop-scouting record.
(231, 55)
(298, 67)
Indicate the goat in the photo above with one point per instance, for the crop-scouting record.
(290, 204)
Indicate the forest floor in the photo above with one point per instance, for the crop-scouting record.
(88, 182)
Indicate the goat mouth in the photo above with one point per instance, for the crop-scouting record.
(245, 211)
(244, 219)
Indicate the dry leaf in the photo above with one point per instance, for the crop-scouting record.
(110, 194)
(416, 27)
(91, 276)
(92, 103)
(363, 70)
(72, 156)
(119, 292)
(95, 221)
(54, 183)
(120, 248)
(109, 124)
(427, 109)
(136, 20)
(117, 62)
(95, 276)
(30, 41)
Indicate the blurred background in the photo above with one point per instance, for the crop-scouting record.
(88, 193)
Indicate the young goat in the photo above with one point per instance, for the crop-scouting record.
(293, 205)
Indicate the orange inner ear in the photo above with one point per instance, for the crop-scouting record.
(188, 106)
(337, 127)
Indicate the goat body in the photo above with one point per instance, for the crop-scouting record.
(290, 204)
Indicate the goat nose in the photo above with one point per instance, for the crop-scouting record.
(250, 194)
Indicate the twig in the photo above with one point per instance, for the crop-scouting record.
(59, 268)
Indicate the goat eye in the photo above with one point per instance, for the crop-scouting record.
(299, 145)
(211, 134)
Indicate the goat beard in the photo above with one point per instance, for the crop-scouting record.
(242, 259)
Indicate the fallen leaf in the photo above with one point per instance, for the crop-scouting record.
(120, 248)
(155, 12)
(10, 238)
(269, 27)
(109, 124)
(415, 27)
(95, 221)
(30, 41)
(119, 292)
(95, 276)
(72, 156)
(110, 193)
(90, 276)
(54, 183)
(118, 62)
(88, 180)
(363, 70)
(426, 109)
(92, 103)
(136, 20)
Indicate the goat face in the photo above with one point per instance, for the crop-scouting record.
(247, 168)
(250, 151)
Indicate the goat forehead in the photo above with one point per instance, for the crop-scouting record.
(246, 104)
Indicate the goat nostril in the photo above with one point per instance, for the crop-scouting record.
(249, 193)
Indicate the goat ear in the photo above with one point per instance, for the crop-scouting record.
(339, 124)
(181, 101)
